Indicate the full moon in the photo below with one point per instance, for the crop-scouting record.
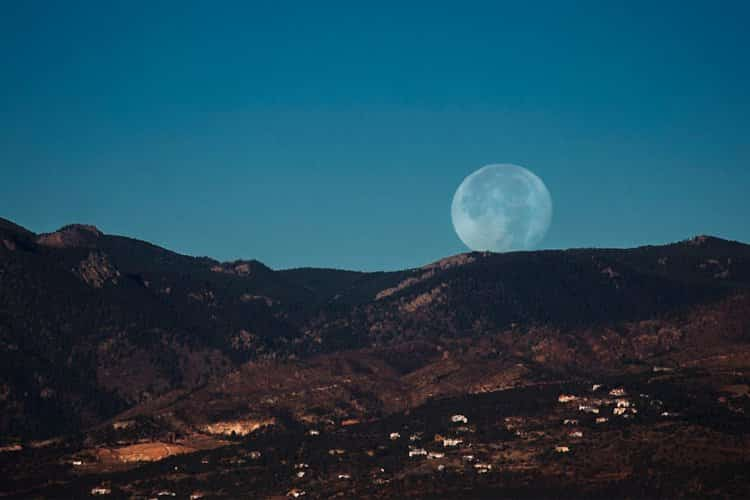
(501, 208)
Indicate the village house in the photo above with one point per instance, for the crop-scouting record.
(394, 436)
(296, 493)
(617, 392)
(576, 434)
(416, 436)
(596, 387)
(459, 419)
(483, 468)
(588, 409)
(166, 493)
(570, 421)
(417, 452)
(255, 455)
(451, 442)
(313, 432)
(100, 490)
(623, 403)
(562, 449)
(619, 411)
(566, 398)
(344, 476)
(434, 455)
(601, 420)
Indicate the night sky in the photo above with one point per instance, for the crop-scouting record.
(335, 134)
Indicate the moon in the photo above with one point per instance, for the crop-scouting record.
(501, 208)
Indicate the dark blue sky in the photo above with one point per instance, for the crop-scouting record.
(332, 134)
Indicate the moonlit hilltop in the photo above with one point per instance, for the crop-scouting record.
(228, 270)
(487, 371)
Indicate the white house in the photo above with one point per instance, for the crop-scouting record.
(451, 442)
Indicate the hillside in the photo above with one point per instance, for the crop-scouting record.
(97, 329)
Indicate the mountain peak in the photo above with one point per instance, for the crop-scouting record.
(72, 235)
(705, 240)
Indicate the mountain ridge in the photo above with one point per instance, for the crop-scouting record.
(115, 352)
(110, 318)
(699, 240)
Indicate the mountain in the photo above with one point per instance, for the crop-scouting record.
(97, 329)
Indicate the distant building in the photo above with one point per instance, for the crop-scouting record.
(482, 468)
(588, 409)
(394, 436)
(451, 442)
(562, 449)
(459, 419)
(566, 398)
